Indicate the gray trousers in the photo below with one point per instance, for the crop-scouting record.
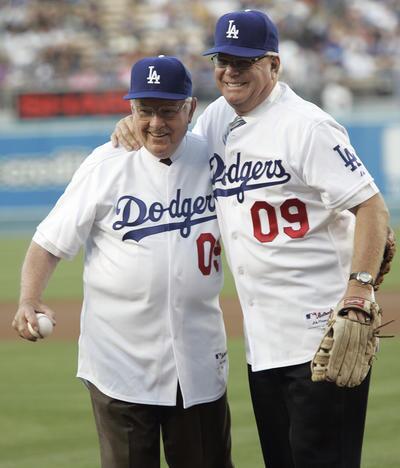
(129, 433)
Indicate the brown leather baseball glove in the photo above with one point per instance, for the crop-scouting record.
(348, 347)
(388, 254)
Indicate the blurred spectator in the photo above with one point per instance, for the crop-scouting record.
(336, 98)
(90, 44)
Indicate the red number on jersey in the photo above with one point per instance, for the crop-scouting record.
(206, 242)
(293, 210)
(298, 215)
(256, 209)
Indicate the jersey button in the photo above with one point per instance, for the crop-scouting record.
(241, 270)
(234, 235)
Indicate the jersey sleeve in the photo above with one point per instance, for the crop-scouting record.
(67, 226)
(199, 127)
(332, 166)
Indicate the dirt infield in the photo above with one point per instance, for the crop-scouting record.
(68, 317)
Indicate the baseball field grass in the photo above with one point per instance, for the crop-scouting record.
(45, 413)
(46, 421)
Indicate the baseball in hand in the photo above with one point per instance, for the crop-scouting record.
(45, 326)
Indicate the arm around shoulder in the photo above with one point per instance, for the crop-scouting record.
(125, 134)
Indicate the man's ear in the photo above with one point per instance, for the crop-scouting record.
(275, 64)
(275, 68)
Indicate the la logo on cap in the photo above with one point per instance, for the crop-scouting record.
(232, 32)
(153, 77)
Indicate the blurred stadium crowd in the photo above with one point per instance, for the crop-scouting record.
(333, 51)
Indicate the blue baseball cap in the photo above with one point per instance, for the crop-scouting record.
(248, 33)
(160, 77)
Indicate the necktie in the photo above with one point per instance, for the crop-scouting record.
(166, 161)
(237, 122)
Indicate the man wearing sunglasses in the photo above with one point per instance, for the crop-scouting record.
(152, 348)
(304, 226)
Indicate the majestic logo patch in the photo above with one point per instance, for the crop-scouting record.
(134, 212)
(222, 359)
(232, 32)
(152, 77)
(317, 319)
(238, 176)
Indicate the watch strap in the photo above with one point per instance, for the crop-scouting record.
(357, 276)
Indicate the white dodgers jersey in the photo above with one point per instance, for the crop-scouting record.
(152, 273)
(283, 184)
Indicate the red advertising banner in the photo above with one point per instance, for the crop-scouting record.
(50, 105)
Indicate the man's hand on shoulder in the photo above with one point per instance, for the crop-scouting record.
(124, 134)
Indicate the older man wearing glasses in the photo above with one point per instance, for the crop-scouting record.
(152, 348)
(304, 227)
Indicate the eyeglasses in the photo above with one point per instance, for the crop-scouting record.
(164, 112)
(239, 64)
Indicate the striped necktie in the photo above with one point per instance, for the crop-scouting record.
(237, 122)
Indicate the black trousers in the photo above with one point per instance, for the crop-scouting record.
(129, 433)
(304, 424)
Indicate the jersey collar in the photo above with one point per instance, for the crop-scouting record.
(274, 96)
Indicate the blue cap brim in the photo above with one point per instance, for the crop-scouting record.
(236, 51)
(155, 95)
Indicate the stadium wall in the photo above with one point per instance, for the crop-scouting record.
(38, 159)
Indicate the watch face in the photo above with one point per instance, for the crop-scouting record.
(364, 277)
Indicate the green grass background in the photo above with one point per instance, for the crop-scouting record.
(46, 420)
(45, 413)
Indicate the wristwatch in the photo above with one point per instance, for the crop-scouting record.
(362, 277)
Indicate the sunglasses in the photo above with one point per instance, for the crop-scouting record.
(238, 63)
